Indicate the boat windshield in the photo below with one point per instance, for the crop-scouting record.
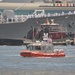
(45, 47)
(34, 47)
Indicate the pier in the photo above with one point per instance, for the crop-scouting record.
(23, 41)
(67, 41)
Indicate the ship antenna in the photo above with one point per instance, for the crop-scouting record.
(47, 21)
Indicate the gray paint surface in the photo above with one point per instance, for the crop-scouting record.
(19, 30)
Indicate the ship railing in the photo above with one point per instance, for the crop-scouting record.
(48, 14)
(22, 18)
(17, 18)
(36, 12)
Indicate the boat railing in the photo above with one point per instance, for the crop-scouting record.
(23, 18)
(58, 29)
(62, 29)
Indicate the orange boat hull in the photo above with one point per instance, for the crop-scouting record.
(26, 53)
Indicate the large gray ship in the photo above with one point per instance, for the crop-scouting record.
(17, 26)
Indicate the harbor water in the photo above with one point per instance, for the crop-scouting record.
(11, 63)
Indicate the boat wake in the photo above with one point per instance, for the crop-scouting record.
(71, 56)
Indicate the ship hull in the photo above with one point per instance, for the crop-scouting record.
(20, 30)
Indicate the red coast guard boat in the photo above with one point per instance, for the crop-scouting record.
(41, 49)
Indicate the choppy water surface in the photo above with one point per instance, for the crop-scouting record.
(11, 63)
